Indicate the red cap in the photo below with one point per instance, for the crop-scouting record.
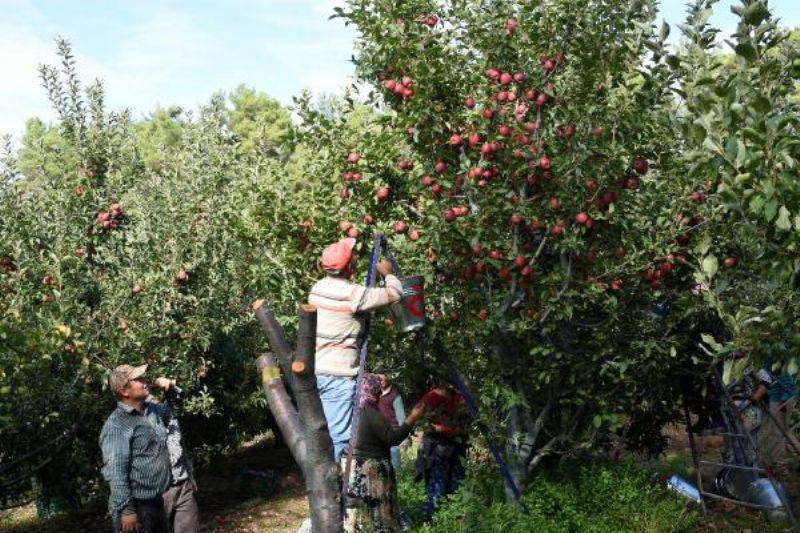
(336, 256)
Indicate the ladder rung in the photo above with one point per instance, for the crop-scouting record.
(737, 502)
(727, 465)
(711, 433)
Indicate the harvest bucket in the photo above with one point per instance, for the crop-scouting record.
(409, 312)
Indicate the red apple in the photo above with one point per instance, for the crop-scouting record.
(520, 261)
(390, 85)
(511, 26)
(469, 102)
(436, 188)
(520, 77)
(137, 288)
(517, 219)
(581, 218)
(526, 272)
(399, 227)
(488, 113)
(344, 225)
(554, 203)
(455, 139)
(406, 81)
(730, 261)
(353, 158)
(544, 162)
(698, 197)
(344, 193)
(383, 193)
(368, 220)
(505, 78)
(414, 234)
(449, 215)
(591, 184)
(492, 74)
(483, 314)
(640, 165)
(440, 167)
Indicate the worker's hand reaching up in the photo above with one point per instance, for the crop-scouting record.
(384, 268)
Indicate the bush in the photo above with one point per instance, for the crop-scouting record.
(590, 495)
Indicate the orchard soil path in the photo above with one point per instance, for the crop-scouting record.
(258, 489)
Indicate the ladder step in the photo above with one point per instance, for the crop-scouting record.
(728, 465)
(712, 433)
(737, 502)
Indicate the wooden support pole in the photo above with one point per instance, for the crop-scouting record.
(281, 406)
(275, 335)
(321, 471)
(695, 456)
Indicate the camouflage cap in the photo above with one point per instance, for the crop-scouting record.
(123, 374)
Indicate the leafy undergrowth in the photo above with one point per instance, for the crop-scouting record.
(590, 496)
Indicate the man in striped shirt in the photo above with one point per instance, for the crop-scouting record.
(136, 461)
(340, 307)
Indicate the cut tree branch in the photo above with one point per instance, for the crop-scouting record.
(281, 406)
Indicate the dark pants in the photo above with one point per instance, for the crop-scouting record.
(150, 514)
(443, 470)
(181, 509)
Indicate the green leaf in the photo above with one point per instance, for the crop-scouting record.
(710, 266)
(708, 339)
(664, 31)
(784, 222)
(746, 50)
(770, 210)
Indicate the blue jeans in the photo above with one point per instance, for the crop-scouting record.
(395, 453)
(337, 394)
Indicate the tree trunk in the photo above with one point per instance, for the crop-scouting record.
(319, 468)
(281, 406)
(321, 471)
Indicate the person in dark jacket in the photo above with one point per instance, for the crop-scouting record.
(444, 444)
(371, 493)
(391, 407)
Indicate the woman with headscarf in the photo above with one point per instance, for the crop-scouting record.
(371, 495)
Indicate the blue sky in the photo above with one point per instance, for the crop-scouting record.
(167, 52)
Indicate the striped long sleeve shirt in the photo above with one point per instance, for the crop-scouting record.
(136, 462)
(340, 321)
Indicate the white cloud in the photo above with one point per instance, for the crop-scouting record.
(20, 88)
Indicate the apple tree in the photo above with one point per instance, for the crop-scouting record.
(511, 161)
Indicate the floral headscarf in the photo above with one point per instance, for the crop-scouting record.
(370, 391)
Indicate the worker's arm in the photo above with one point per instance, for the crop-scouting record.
(115, 445)
(366, 298)
(760, 392)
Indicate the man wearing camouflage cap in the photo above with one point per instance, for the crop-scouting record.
(136, 461)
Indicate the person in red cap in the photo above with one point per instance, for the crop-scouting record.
(340, 307)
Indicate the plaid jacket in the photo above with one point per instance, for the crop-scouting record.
(136, 461)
